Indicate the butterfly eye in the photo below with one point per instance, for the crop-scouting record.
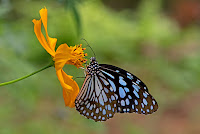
(108, 90)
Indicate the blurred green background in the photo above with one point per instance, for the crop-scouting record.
(157, 40)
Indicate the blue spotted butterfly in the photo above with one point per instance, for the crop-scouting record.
(108, 90)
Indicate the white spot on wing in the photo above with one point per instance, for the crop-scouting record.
(136, 94)
(129, 97)
(138, 81)
(127, 109)
(97, 110)
(117, 71)
(116, 96)
(122, 102)
(145, 95)
(153, 102)
(121, 81)
(113, 109)
(112, 84)
(127, 101)
(101, 100)
(144, 101)
(106, 90)
(112, 97)
(100, 108)
(122, 93)
(129, 76)
(133, 106)
(126, 89)
(136, 102)
(109, 107)
(104, 112)
(108, 74)
(142, 105)
(136, 87)
(151, 107)
(91, 107)
(104, 96)
(88, 105)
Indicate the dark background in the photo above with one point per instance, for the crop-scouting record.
(157, 40)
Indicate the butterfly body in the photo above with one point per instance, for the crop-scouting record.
(108, 90)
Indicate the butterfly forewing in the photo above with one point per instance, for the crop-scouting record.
(108, 89)
(124, 73)
(133, 95)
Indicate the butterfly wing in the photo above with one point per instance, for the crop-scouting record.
(132, 93)
(112, 90)
(95, 100)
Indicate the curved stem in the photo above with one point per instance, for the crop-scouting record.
(24, 77)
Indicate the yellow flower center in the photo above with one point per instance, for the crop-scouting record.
(78, 55)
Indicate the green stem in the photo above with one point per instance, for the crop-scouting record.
(24, 77)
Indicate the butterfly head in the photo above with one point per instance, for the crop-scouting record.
(92, 59)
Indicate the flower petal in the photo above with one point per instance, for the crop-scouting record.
(63, 54)
(51, 41)
(70, 88)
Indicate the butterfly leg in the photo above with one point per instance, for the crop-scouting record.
(78, 77)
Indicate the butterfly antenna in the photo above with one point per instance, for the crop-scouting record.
(89, 46)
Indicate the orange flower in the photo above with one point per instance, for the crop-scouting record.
(63, 55)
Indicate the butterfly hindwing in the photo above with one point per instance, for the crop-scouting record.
(95, 100)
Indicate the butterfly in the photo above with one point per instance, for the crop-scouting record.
(108, 89)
